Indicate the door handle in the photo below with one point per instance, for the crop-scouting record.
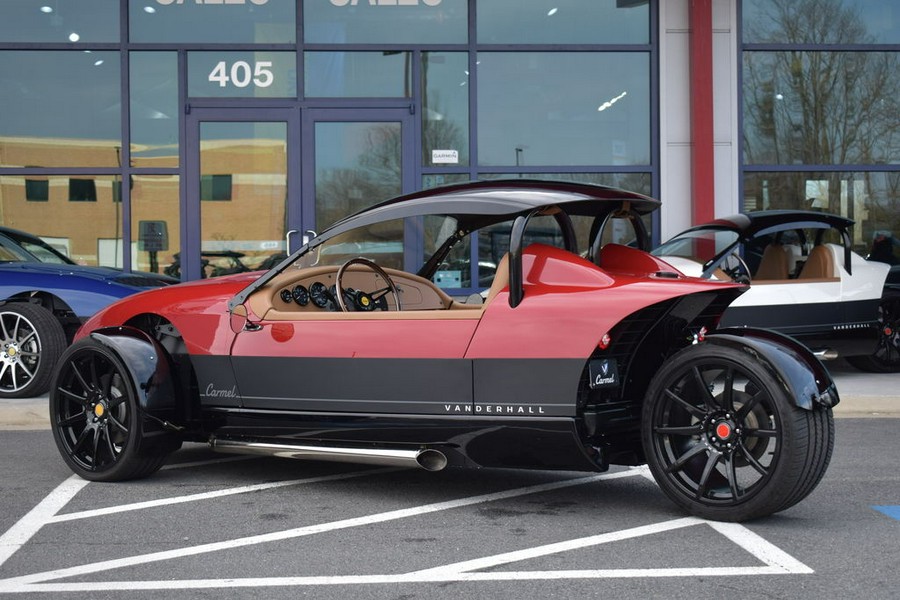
(287, 240)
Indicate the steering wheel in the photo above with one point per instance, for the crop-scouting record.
(735, 267)
(363, 300)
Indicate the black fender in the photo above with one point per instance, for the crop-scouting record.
(150, 368)
(803, 376)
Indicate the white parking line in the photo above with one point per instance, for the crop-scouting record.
(86, 514)
(773, 560)
(37, 517)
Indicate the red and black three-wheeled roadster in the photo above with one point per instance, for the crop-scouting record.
(580, 353)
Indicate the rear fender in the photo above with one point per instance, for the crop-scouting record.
(151, 372)
(804, 378)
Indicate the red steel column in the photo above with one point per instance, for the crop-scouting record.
(701, 89)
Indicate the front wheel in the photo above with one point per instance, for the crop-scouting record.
(96, 419)
(31, 340)
(725, 442)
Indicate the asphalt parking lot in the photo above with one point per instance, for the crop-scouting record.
(212, 525)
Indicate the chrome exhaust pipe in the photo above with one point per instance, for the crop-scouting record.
(427, 458)
(825, 354)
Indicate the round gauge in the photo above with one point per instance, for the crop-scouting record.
(286, 296)
(300, 295)
(319, 295)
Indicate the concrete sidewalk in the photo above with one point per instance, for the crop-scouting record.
(862, 395)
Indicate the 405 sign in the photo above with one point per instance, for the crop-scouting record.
(241, 74)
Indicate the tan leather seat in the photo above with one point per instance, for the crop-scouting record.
(501, 279)
(774, 263)
(819, 264)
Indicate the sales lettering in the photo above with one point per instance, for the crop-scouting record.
(386, 2)
(168, 2)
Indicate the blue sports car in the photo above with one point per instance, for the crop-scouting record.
(44, 298)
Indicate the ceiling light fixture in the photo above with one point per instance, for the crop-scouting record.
(610, 102)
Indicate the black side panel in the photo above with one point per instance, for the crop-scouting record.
(799, 319)
(357, 385)
(520, 387)
(215, 381)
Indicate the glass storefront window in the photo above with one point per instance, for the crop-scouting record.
(445, 109)
(60, 220)
(155, 224)
(84, 21)
(357, 165)
(358, 74)
(397, 22)
(154, 109)
(233, 22)
(439, 179)
(539, 108)
(794, 113)
(242, 74)
(243, 192)
(821, 22)
(872, 199)
(563, 22)
(60, 109)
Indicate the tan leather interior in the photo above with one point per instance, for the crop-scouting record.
(419, 298)
(774, 263)
(819, 264)
(501, 279)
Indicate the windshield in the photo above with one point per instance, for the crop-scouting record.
(701, 245)
(17, 248)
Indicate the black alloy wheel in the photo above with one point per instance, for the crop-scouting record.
(724, 441)
(886, 358)
(95, 416)
(31, 341)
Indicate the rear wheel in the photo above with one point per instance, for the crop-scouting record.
(96, 418)
(31, 340)
(724, 441)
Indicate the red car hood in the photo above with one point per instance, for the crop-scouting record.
(197, 307)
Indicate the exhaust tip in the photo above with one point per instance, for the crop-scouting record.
(431, 460)
(826, 354)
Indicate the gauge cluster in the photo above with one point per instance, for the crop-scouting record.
(318, 294)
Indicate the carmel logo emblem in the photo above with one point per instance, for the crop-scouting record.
(212, 392)
(603, 373)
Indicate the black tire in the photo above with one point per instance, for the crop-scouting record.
(31, 341)
(725, 442)
(886, 357)
(96, 418)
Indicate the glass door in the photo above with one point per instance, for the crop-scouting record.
(241, 175)
(353, 159)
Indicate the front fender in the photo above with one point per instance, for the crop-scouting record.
(803, 376)
(150, 369)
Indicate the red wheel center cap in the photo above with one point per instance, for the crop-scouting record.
(723, 431)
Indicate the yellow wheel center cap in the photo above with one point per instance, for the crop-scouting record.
(11, 351)
(99, 410)
(364, 301)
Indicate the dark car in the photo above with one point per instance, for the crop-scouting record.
(569, 363)
(805, 281)
(44, 298)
